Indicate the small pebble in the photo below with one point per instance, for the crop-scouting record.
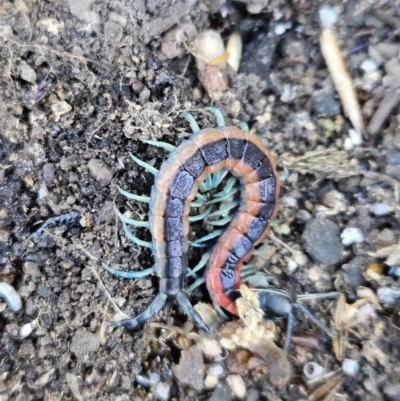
(217, 370)
(351, 235)
(387, 296)
(381, 209)
(350, 367)
(355, 137)
(369, 65)
(61, 108)
(313, 370)
(162, 391)
(322, 242)
(237, 385)
(328, 16)
(211, 381)
(25, 330)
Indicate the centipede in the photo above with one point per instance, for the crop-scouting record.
(208, 152)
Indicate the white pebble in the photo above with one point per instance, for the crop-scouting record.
(350, 367)
(355, 137)
(292, 266)
(25, 330)
(328, 16)
(369, 65)
(162, 391)
(348, 144)
(11, 296)
(237, 385)
(154, 378)
(381, 209)
(217, 370)
(290, 201)
(387, 296)
(351, 235)
(313, 370)
(282, 27)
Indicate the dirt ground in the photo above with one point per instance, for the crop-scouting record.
(83, 82)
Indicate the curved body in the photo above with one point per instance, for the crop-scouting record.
(209, 151)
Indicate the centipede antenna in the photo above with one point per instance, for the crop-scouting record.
(152, 310)
(135, 239)
(164, 145)
(311, 317)
(224, 209)
(131, 274)
(139, 198)
(193, 124)
(200, 216)
(200, 265)
(193, 286)
(242, 125)
(289, 330)
(146, 166)
(221, 222)
(212, 235)
(218, 115)
(126, 220)
(187, 308)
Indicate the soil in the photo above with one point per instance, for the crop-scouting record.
(83, 83)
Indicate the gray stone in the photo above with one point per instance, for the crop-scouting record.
(322, 241)
(353, 272)
(84, 342)
(26, 72)
(100, 171)
(325, 105)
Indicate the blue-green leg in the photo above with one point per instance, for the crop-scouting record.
(135, 239)
(136, 223)
(146, 166)
(193, 124)
(138, 198)
(163, 145)
(218, 115)
(131, 274)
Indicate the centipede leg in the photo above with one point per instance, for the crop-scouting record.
(193, 124)
(221, 222)
(131, 274)
(163, 145)
(242, 125)
(135, 239)
(200, 216)
(200, 242)
(188, 309)
(126, 220)
(218, 115)
(200, 265)
(152, 310)
(146, 166)
(139, 198)
(195, 285)
(311, 317)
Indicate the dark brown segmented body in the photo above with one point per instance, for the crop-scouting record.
(209, 151)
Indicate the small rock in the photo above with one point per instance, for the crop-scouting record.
(5, 32)
(172, 44)
(162, 391)
(393, 163)
(325, 105)
(350, 367)
(322, 242)
(61, 108)
(210, 381)
(26, 72)
(353, 272)
(222, 393)
(380, 209)
(352, 235)
(48, 172)
(392, 68)
(106, 213)
(369, 65)
(100, 171)
(328, 16)
(190, 369)
(237, 385)
(121, 19)
(32, 269)
(386, 235)
(388, 51)
(112, 32)
(84, 342)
